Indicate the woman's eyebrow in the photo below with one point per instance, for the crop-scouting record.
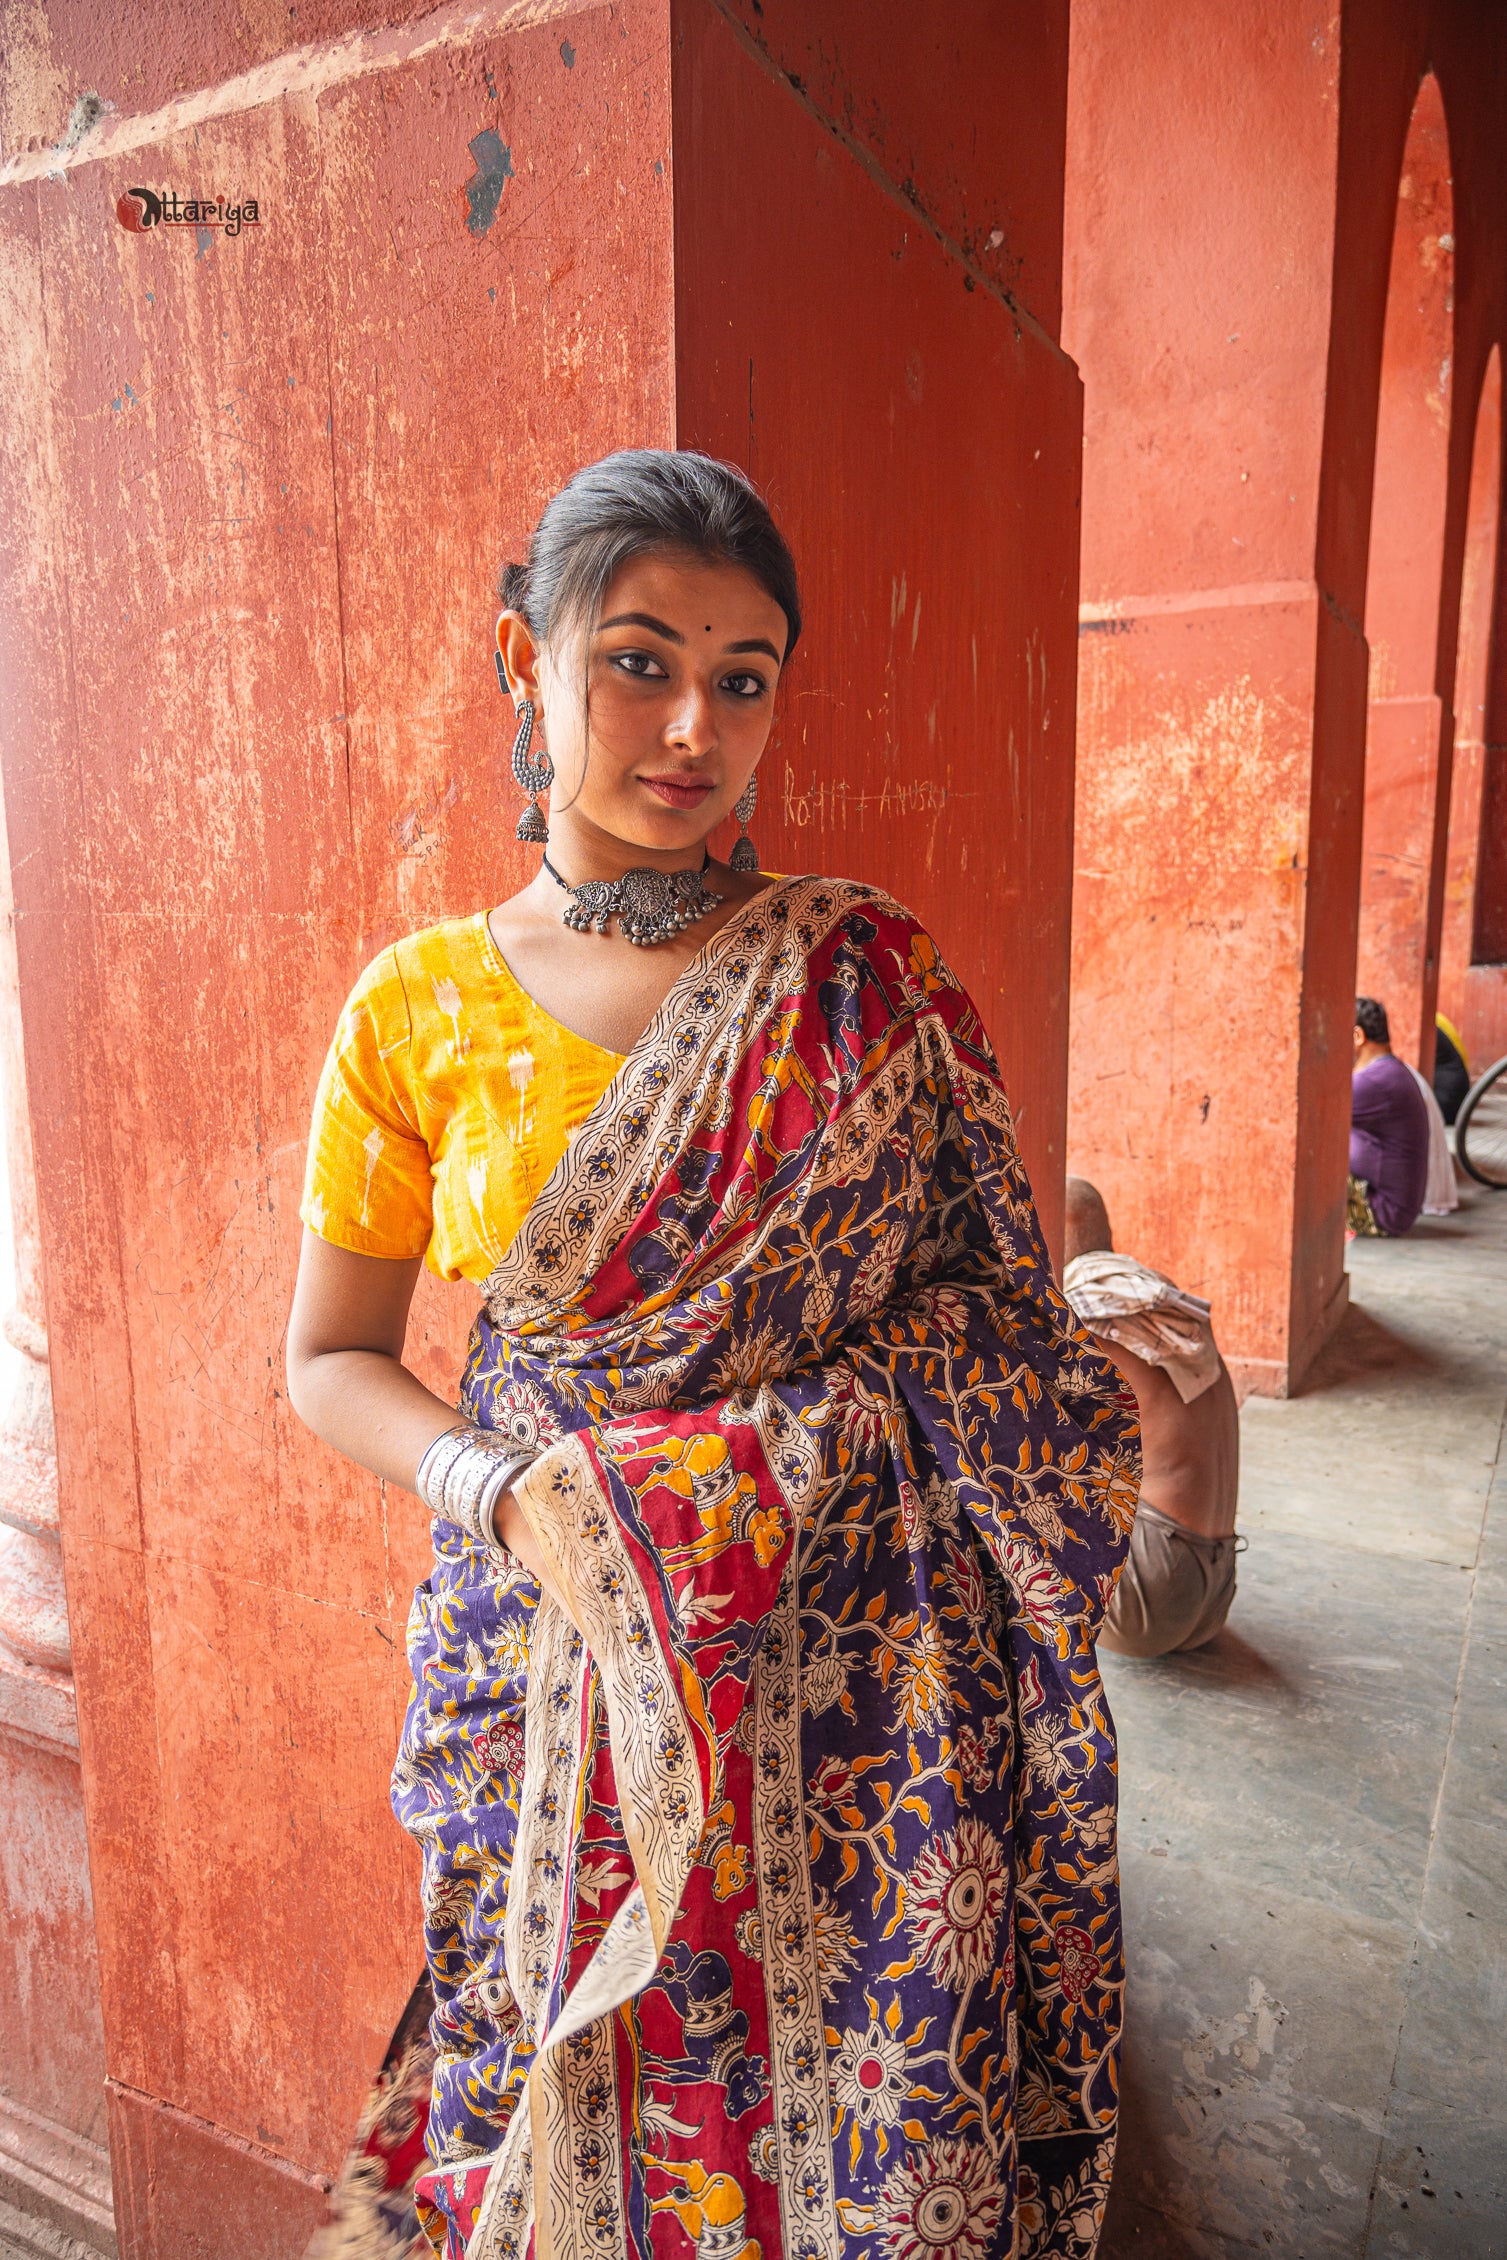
(757, 643)
(642, 620)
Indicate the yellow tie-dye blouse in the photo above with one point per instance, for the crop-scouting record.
(447, 1099)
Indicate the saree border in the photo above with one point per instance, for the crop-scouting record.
(552, 1769)
(653, 1754)
(564, 2142)
(608, 1171)
(792, 1986)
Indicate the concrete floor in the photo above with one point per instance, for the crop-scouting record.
(1314, 1809)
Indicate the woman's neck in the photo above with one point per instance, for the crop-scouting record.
(581, 850)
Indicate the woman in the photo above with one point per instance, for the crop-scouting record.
(757, 1749)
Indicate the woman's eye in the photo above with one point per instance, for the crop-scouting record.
(640, 663)
(744, 686)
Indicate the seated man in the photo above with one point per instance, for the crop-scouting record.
(1179, 1580)
(1389, 1132)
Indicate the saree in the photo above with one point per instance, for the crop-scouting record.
(770, 1886)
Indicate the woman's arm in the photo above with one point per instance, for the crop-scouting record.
(347, 1380)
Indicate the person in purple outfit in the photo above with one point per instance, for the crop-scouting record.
(1389, 1132)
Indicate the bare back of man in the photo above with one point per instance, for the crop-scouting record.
(1190, 1454)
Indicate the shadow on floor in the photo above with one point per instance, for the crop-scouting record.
(1225, 1662)
(1228, 1661)
(1361, 1348)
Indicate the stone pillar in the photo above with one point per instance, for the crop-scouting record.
(254, 491)
(54, 2165)
(1221, 678)
(1232, 203)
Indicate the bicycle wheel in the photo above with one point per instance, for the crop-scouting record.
(1481, 1128)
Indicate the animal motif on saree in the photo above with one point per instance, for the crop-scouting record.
(770, 1888)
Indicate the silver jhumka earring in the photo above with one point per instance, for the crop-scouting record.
(745, 856)
(534, 777)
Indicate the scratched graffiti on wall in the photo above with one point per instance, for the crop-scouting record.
(833, 800)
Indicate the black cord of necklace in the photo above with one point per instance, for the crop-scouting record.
(706, 864)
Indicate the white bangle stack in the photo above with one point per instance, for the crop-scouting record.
(463, 1475)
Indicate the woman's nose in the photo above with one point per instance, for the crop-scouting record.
(694, 724)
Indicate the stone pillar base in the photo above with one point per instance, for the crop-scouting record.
(54, 2191)
(188, 2190)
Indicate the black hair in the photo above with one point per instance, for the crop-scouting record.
(1371, 1020)
(641, 500)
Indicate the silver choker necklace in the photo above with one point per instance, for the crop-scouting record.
(650, 906)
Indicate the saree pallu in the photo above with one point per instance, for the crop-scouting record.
(770, 1885)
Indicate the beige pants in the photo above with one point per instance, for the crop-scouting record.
(1174, 1591)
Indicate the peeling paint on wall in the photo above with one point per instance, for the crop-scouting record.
(494, 169)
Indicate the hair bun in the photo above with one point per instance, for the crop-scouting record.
(512, 587)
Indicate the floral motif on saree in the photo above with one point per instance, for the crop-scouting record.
(770, 1887)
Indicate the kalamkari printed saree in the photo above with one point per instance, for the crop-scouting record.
(770, 1887)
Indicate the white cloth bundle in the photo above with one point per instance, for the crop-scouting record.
(1440, 1196)
(1145, 1313)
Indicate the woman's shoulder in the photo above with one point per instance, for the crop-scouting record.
(901, 956)
(822, 894)
(413, 979)
(453, 949)
(869, 917)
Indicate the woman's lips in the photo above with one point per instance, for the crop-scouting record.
(679, 792)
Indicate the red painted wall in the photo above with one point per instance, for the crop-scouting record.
(1483, 989)
(1409, 726)
(1390, 50)
(254, 501)
(253, 494)
(921, 442)
(1206, 641)
(1489, 941)
(138, 59)
(958, 112)
(1461, 983)
(52, 2103)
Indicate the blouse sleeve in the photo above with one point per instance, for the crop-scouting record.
(367, 1185)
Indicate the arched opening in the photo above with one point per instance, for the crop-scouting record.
(1408, 729)
(1472, 989)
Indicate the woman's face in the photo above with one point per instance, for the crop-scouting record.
(680, 676)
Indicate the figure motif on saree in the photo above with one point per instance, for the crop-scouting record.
(771, 1890)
